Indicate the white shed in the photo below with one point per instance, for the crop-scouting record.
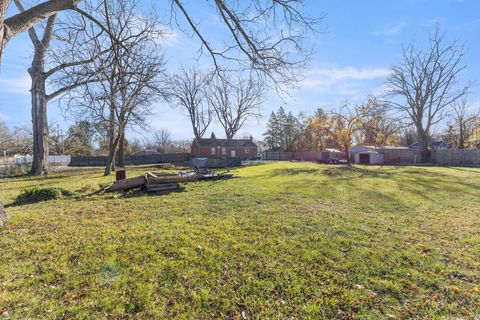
(369, 157)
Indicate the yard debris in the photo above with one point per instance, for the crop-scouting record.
(161, 181)
(206, 174)
(127, 184)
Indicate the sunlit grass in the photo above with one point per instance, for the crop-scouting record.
(285, 240)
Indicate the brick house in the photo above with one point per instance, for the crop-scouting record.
(214, 148)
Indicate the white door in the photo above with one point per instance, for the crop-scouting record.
(232, 153)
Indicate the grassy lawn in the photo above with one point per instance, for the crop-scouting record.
(285, 240)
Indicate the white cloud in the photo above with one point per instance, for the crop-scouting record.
(341, 80)
(350, 83)
(390, 30)
(20, 85)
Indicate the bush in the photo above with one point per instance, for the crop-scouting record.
(36, 194)
(88, 188)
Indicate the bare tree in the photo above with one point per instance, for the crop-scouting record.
(187, 91)
(46, 64)
(162, 139)
(464, 123)
(266, 37)
(129, 75)
(428, 84)
(234, 102)
(6, 137)
(10, 27)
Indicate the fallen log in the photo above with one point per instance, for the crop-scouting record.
(127, 184)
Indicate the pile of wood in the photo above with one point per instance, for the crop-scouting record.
(158, 182)
(150, 181)
(205, 174)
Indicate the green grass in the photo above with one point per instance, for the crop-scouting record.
(285, 240)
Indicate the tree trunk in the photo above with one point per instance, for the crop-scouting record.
(121, 151)
(39, 121)
(3, 31)
(112, 153)
(461, 136)
(423, 145)
(347, 155)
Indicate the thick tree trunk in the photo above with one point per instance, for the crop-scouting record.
(3, 30)
(423, 145)
(39, 119)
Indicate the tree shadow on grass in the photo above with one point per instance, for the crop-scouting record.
(144, 193)
(415, 180)
(465, 169)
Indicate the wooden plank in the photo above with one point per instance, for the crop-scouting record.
(162, 187)
(127, 184)
(166, 179)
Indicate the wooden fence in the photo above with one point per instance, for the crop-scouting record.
(446, 157)
(87, 161)
(302, 155)
(399, 156)
(456, 157)
(392, 156)
(277, 155)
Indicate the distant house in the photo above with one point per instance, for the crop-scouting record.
(434, 145)
(214, 148)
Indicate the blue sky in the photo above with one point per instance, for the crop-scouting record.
(359, 42)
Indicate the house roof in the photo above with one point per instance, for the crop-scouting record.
(434, 144)
(225, 142)
(438, 144)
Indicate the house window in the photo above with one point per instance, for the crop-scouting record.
(224, 151)
(212, 151)
(247, 150)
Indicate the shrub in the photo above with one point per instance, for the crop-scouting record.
(88, 188)
(36, 194)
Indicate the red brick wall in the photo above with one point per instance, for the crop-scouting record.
(205, 152)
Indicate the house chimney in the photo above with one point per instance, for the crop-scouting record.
(251, 138)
